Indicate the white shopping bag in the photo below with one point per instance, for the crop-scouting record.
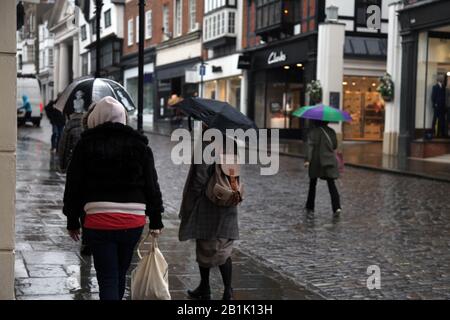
(150, 279)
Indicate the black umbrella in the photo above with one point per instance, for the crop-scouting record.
(215, 114)
(83, 91)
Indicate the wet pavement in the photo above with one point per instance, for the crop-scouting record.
(359, 154)
(399, 223)
(50, 267)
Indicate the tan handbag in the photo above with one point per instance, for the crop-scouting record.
(150, 279)
(224, 187)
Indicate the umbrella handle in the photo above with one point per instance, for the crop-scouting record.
(189, 123)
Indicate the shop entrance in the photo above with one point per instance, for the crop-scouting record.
(366, 108)
(280, 95)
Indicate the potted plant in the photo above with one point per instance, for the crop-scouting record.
(386, 87)
(314, 90)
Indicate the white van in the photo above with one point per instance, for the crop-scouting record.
(30, 87)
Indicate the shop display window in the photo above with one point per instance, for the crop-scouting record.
(366, 108)
(433, 64)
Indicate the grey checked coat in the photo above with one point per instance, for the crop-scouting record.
(200, 218)
(321, 153)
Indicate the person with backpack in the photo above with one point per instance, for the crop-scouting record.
(70, 137)
(209, 215)
(57, 121)
(112, 180)
(322, 163)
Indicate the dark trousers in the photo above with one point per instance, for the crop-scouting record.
(112, 251)
(56, 135)
(440, 119)
(335, 200)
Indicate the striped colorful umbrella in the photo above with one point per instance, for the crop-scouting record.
(322, 112)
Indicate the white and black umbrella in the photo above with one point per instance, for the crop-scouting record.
(81, 93)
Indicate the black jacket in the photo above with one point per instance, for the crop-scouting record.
(438, 97)
(113, 163)
(55, 116)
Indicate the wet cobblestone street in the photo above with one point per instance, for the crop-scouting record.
(48, 263)
(399, 223)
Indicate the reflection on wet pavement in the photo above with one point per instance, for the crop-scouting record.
(50, 267)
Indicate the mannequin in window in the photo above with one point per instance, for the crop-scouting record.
(438, 97)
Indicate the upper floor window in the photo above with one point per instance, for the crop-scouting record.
(192, 14)
(130, 32)
(178, 17)
(148, 24)
(107, 18)
(166, 21)
(50, 57)
(93, 26)
(137, 29)
(83, 32)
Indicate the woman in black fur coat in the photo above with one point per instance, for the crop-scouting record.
(112, 181)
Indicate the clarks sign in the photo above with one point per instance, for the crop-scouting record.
(275, 57)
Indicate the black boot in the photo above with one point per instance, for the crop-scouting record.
(226, 272)
(203, 291)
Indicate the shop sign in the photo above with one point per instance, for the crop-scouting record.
(275, 57)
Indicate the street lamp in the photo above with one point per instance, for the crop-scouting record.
(98, 16)
(140, 124)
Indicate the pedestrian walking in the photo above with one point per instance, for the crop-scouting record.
(70, 136)
(26, 106)
(112, 179)
(213, 227)
(57, 120)
(322, 163)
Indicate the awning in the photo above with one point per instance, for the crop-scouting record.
(365, 47)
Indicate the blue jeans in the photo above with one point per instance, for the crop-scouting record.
(112, 251)
(56, 135)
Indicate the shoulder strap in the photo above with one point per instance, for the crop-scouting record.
(328, 137)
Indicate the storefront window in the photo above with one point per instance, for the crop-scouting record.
(433, 65)
(366, 108)
(283, 97)
(132, 88)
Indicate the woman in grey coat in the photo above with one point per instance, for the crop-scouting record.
(214, 228)
(322, 163)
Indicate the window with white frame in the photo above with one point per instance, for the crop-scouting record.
(50, 57)
(220, 23)
(137, 29)
(41, 60)
(148, 24)
(83, 32)
(178, 18)
(130, 32)
(192, 14)
(166, 21)
(107, 18)
(231, 22)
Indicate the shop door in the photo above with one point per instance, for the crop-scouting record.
(366, 108)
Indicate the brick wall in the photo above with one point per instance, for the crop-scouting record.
(250, 39)
(132, 11)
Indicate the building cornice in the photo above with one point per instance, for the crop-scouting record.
(190, 37)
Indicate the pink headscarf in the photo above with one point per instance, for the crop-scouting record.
(107, 109)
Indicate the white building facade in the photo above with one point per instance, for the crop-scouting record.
(365, 51)
(222, 36)
(111, 37)
(8, 137)
(66, 52)
(46, 61)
